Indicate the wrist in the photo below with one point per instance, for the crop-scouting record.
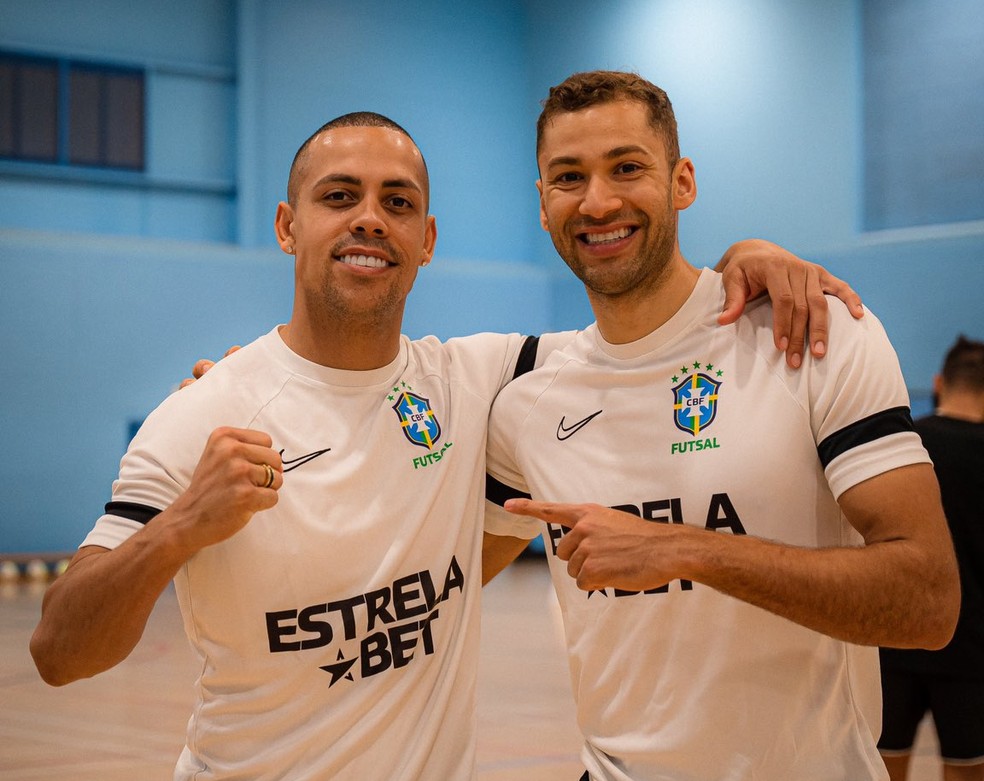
(177, 530)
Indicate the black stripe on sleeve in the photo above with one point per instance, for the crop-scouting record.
(497, 492)
(527, 356)
(896, 420)
(140, 513)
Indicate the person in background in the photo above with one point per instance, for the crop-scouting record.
(949, 683)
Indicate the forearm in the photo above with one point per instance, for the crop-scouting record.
(95, 613)
(900, 589)
(498, 553)
(889, 593)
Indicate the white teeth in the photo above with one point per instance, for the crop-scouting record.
(363, 260)
(598, 238)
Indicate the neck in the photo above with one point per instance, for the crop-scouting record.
(343, 344)
(630, 316)
(962, 406)
(971, 416)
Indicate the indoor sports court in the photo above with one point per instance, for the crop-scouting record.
(145, 150)
(128, 723)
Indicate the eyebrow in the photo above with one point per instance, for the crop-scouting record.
(388, 184)
(611, 154)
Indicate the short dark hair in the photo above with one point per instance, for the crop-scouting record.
(352, 119)
(591, 88)
(963, 366)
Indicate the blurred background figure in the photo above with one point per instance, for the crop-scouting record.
(948, 683)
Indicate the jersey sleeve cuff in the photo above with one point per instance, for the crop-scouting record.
(503, 524)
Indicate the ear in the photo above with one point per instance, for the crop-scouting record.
(283, 225)
(430, 240)
(543, 210)
(937, 383)
(684, 184)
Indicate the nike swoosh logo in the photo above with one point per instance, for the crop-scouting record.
(301, 460)
(570, 431)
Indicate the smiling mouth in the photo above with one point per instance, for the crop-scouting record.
(366, 261)
(610, 237)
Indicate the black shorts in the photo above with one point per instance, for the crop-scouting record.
(957, 705)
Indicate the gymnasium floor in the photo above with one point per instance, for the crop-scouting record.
(128, 724)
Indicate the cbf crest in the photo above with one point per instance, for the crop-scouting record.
(695, 399)
(419, 423)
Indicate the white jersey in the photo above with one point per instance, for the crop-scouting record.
(338, 632)
(705, 425)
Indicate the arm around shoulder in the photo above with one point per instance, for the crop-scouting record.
(796, 287)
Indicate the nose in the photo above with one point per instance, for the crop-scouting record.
(599, 199)
(368, 220)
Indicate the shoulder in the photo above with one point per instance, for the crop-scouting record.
(229, 393)
(562, 351)
(845, 332)
(481, 346)
(482, 363)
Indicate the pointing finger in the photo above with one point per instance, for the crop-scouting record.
(552, 512)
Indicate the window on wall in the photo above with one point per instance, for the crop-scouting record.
(69, 112)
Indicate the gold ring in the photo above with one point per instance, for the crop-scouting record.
(270, 476)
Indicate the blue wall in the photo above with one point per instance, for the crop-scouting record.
(924, 109)
(447, 74)
(766, 97)
(109, 290)
(769, 105)
(97, 330)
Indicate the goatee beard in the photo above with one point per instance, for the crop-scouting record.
(640, 273)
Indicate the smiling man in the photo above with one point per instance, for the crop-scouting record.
(753, 526)
(317, 499)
